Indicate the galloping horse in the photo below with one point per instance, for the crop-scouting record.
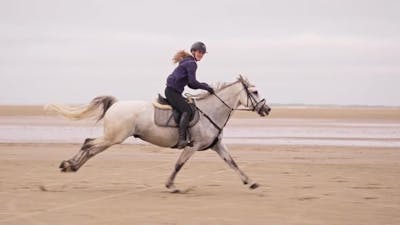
(123, 119)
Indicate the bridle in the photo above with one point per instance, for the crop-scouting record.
(250, 97)
(253, 101)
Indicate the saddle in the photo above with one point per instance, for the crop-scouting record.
(166, 116)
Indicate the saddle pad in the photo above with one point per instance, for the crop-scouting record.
(165, 118)
(161, 106)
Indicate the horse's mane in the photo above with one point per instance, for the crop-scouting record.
(221, 85)
(217, 86)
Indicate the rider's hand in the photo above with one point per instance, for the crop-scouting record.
(210, 90)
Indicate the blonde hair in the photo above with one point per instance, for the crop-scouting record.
(179, 56)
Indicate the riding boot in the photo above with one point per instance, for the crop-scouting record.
(183, 125)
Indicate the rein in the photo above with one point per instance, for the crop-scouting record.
(224, 102)
(253, 102)
(216, 139)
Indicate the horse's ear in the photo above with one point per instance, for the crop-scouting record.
(243, 79)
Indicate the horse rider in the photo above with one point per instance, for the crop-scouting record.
(185, 74)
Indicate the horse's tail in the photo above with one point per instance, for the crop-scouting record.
(92, 110)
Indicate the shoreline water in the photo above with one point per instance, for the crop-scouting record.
(379, 127)
(308, 132)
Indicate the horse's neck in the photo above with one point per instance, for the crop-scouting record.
(215, 108)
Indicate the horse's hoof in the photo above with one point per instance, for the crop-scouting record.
(65, 169)
(254, 186)
(62, 165)
(174, 191)
(66, 166)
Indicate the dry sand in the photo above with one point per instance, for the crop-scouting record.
(125, 185)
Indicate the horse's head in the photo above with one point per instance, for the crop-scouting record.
(251, 99)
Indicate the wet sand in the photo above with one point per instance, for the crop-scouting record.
(125, 184)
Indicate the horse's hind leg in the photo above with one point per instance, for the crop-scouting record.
(222, 151)
(90, 148)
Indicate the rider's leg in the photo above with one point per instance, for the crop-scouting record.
(179, 103)
(183, 124)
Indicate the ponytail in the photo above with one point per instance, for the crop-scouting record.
(179, 56)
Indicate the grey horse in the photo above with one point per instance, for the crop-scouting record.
(123, 119)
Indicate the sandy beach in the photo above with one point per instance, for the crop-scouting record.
(299, 184)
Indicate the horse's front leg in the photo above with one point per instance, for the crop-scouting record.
(183, 158)
(222, 151)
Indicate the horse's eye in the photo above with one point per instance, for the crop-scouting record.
(255, 92)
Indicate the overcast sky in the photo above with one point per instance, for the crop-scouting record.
(339, 52)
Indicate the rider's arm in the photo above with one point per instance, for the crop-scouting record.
(193, 83)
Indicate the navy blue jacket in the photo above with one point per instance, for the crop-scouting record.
(185, 74)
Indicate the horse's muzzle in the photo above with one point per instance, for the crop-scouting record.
(262, 109)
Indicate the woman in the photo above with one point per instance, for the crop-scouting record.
(185, 74)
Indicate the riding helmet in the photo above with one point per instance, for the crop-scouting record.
(199, 46)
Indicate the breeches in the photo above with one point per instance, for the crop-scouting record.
(177, 101)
